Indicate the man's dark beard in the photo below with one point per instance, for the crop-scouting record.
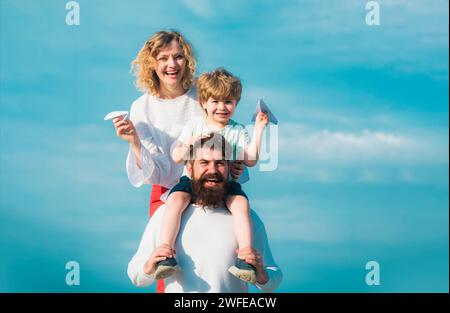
(209, 196)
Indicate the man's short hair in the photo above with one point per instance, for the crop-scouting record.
(214, 141)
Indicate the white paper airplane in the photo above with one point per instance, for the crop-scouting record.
(262, 107)
(115, 114)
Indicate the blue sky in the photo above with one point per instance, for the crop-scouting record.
(363, 137)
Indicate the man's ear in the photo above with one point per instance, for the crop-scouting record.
(189, 168)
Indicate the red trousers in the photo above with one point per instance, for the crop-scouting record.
(155, 203)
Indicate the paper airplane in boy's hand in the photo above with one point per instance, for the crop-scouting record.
(115, 114)
(262, 107)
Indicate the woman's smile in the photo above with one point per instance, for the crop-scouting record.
(172, 74)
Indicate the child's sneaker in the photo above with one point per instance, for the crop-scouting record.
(243, 271)
(166, 268)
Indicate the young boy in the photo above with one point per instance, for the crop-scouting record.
(218, 94)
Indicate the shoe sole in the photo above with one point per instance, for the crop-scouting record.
(163, 271)
(245, 275)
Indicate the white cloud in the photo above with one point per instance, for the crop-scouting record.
(366, 146)
(324, 138)
(402, 155)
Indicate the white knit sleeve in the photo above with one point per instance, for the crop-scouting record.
(147, 245)
(156, 165)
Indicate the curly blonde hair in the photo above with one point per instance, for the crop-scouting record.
(144, 65)
(218, 84)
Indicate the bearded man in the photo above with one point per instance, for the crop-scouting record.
(206, 246)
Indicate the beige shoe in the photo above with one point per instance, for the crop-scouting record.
(243, 271)
(166, 268)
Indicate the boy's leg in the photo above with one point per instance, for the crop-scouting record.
(240, 209)
(176, 203)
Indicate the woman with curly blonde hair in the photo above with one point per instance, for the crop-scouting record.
(164, 70)
(149, 65)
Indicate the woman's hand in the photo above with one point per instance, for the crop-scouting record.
(126, 130)
(251, 256)
(159, 254)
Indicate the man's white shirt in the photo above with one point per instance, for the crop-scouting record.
(206, 248)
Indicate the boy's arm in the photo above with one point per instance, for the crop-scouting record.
(251, 153)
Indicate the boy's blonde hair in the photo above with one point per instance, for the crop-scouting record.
(144, 65)
(220, 85)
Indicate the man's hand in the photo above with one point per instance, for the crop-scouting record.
(236, 169)
(251, 256)
(159, 254)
